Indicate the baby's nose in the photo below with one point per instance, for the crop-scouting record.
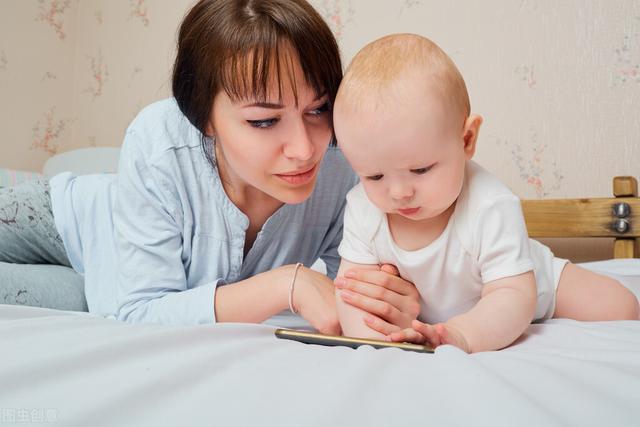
(401, 191)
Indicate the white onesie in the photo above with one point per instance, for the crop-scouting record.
(485, 240)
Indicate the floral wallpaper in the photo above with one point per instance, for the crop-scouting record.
(47, 131)
(52, 12)
(557, 83)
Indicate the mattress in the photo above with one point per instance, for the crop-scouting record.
(77, 369)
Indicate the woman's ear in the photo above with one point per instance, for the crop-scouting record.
(208, 129)
(470, 134)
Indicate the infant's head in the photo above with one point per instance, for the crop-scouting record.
(402, 119)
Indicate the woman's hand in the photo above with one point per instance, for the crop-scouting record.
(263, 295)
(313, 298)
(391, 301)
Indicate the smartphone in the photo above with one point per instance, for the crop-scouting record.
(332, 340)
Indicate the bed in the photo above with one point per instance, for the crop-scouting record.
(76, 369)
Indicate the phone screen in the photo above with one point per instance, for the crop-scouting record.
(332, 340)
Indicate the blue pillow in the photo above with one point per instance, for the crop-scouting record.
(11, 177)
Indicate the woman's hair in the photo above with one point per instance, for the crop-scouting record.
(238, 45)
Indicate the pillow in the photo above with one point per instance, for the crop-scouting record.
(11, 177)
(83, 161)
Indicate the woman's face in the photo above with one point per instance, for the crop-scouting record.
(272, 145)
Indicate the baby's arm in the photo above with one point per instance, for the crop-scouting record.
(352, 318)
(504, 311)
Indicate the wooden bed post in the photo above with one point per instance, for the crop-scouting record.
(625, 186)
(613, 217)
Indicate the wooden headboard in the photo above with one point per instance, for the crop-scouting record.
(617, 217)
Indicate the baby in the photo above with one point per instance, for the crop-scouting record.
(402, 118)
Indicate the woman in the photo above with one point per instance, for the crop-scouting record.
(223, 189)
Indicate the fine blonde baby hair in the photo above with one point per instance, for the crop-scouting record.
(379, 68)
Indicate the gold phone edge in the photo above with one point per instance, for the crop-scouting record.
(364, 341)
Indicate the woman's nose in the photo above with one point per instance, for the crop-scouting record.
(300, 144)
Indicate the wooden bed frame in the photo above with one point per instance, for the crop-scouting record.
(617, 217)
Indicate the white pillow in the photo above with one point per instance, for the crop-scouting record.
(83, 161)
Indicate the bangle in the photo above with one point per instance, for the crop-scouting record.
(291, 286)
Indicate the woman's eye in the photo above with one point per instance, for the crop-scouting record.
(421, 171)
(263, 124)
(320, 110)
(375, 177)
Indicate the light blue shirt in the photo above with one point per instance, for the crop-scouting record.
(155, 240)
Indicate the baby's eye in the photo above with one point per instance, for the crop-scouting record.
(421, 171)
(263, 124)
(320, 110)
(375, 177)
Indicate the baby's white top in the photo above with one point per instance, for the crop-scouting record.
(485, 239)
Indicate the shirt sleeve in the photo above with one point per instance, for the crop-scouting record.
(357, 238)
(152, 284)
(502, 240)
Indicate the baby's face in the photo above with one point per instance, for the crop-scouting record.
(410, 156)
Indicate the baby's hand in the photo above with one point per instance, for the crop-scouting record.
(434, 335)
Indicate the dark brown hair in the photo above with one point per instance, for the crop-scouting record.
(237, 45)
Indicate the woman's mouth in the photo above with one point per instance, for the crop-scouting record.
(300, 177)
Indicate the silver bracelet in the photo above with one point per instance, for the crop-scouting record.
(291, 286)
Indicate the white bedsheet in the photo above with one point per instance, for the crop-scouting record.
(75, 369)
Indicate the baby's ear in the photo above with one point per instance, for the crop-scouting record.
(470, 134)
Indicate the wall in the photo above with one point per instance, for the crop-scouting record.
(558, 83)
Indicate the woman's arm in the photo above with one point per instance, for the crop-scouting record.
(257, 298)
(148, 234)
